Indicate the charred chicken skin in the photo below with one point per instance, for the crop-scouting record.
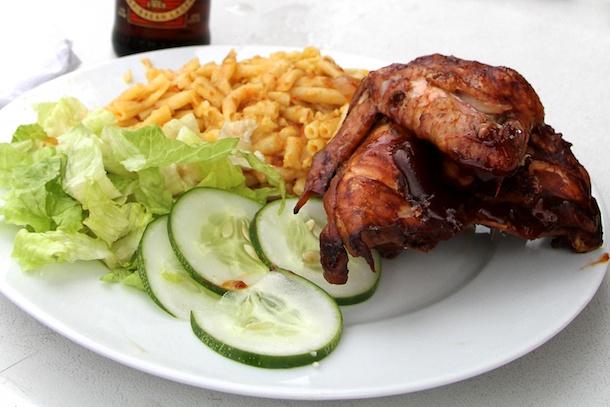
(388, 196)
(480, 117)
(430, 147)
(550, 195)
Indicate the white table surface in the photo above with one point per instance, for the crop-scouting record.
(571, 39)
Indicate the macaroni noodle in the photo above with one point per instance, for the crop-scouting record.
(297, 100)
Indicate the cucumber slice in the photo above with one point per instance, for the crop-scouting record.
(208, 229)
(282, 321)
(164, 278)
(291, 241)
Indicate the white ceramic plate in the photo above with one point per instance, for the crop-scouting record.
(469, 306)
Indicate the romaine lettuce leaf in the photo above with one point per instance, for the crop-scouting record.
(151, 191)
(106, 219)
(125, 247)
(184, 129)
(36, 198)
(149, 147)
(33, 250)
(83, 150)
(12, 154)
(98, 119)
(31, 132)
(57, 118)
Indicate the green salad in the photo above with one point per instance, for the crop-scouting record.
(85, 189)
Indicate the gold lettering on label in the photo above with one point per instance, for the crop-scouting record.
(157, 4)
(159, 16)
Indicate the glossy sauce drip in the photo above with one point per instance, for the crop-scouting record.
(604, 258)
(420, 166)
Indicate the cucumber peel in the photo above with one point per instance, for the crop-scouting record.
(290, 241)
(165, 280)
(208, 229)
(280, 320)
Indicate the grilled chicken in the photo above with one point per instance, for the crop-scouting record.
(430, 147)
(388, 196)
(550, 195)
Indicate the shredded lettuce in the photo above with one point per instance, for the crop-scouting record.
(85, 189)
(34, 250)
(83, 148)
(10, 156)
(57, 118)
(149, 147)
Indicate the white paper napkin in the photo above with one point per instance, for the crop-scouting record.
(33, 54)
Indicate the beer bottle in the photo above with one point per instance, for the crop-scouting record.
(145, 25)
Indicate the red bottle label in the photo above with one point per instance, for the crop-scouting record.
(159, 13)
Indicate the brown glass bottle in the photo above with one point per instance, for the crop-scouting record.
(145, 25)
